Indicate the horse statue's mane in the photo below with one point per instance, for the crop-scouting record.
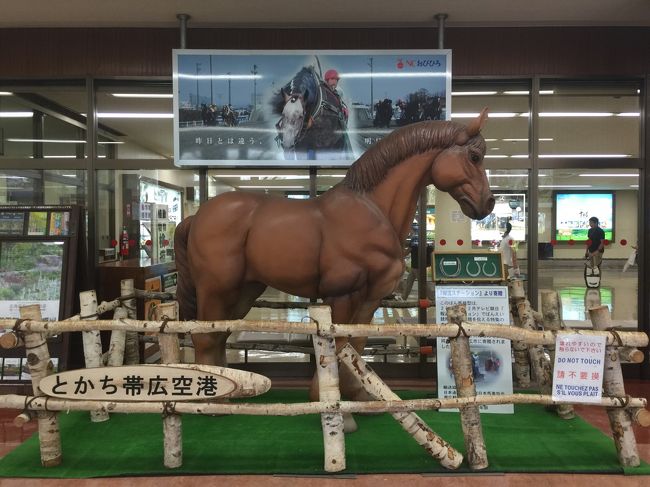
(305, 81)
(371, 168)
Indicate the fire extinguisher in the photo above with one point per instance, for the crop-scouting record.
(124, 242)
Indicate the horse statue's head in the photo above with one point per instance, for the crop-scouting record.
(463, 174)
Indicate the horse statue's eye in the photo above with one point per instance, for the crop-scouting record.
(475, 158)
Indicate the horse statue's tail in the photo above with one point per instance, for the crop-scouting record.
(185, 290)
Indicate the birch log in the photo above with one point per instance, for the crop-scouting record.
(170, 353)
(619, 420)
(10, 340)
(118, 341)
(537, 337)
(131, 346)
(521, 365)
(539, 364)
(328, 390)
(470, 416)
(92, 342)
(411, 422)
(40, 366)
(552, 320)
(14, 401)
(630, 355)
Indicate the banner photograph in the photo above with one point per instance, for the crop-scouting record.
(298, 108)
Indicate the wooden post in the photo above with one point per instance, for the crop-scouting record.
(328, 390)
(619, 419)
(411, 422)
(521, 365)
(40, 366)
(118, 339)
(470, 417)
(131, 346)
(539, 364)
(552, 320)
(170, 353)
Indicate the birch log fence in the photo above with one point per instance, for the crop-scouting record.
(32, 332)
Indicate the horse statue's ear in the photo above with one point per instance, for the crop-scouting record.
(284, 95)
(476, 125)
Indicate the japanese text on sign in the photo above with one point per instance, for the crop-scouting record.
(578, 370)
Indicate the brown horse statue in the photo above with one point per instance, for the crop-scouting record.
(345, 246)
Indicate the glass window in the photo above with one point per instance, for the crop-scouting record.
(135, 120)
(506, 131)
(43, 121)
(134, 200)
(589, 119)
(42, 187)
(568, 198)
(292, 183)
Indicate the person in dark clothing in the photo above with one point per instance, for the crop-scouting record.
(596, 236)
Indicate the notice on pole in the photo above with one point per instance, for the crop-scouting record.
(578, 370)
(491, 357)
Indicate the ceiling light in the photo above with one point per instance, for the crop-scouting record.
(16, 114)
(272, 187)
(611, 175)
(634, 185)
(133, 115)
(566, 186)
(106, 142)
(495, 156)
(49, 141)
(526, 92)
(584, 156)
(519, 156)
(6, 93)
(576, 114)
(523, 175)
(473, 93)
(272, 176)
(143, 95)
(491, 115)
(629, 114)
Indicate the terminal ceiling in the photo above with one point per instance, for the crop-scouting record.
(293, 13)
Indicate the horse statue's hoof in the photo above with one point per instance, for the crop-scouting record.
(349, 424)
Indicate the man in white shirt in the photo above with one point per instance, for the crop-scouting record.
(508, 253)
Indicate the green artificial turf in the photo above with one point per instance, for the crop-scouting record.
(531, 440)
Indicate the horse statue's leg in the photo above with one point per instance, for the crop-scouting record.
(345, 310)
(210, 348)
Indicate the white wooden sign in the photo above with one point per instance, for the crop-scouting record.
(578, 369)
(174, 382)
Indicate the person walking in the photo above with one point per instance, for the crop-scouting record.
(596, 240)
(508, 253)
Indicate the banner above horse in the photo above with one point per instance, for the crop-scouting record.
(300, 108)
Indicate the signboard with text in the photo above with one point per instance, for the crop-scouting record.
(177, 382)
(578, 368)
(473, 265)
(298, 108)
(491, 357)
